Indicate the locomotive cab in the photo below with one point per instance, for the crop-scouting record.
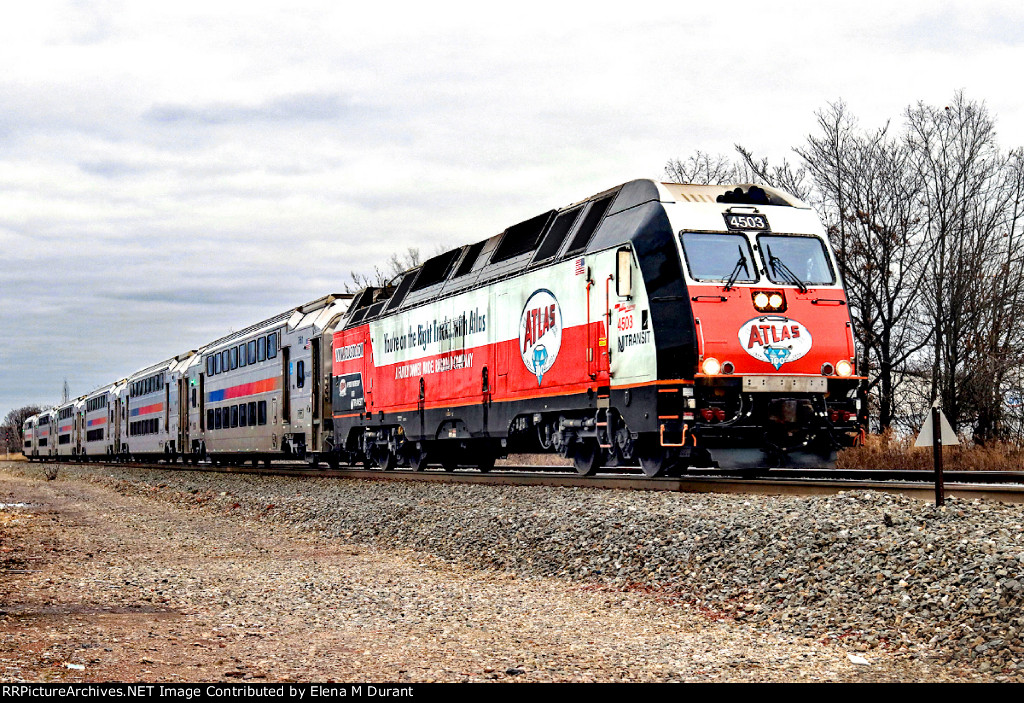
(769, 378)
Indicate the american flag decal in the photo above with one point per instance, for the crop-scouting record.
(581, 267)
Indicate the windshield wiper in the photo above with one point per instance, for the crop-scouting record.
(778, 266)
(736, 269)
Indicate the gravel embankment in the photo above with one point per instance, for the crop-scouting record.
(870, 569)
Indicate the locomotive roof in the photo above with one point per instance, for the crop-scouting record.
(556, 235)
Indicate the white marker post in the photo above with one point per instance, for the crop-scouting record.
(935, 440)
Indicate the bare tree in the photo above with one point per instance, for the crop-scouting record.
(704, 168)
(397, 264)
(970, 195)
(869, 196)
(11, 429)
(784, 175)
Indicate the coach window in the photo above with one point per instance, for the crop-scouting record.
(241, 415)
(209, 366)
(300, 374)
(209, 419)
(234, 358)
(234, 416)
(193, 397)
(251, 349)
(252, 413)
(241, 355)
(261, 349)
(272, 345)
(261, 409)
(225, 360)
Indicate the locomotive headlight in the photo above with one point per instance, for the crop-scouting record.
(769, 301)
(711, 367)
(844, 368)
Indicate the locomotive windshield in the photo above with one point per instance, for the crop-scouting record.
(796, 260)
(719, 257)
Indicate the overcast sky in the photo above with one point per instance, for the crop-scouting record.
(171, 172)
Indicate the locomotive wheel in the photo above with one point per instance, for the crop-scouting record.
(486, 462)
(587, 457)
(385, 459)
(654, 459)
(418, 459)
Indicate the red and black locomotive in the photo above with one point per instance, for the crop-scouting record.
(661, 324)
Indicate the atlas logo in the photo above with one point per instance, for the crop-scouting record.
(775, 340)
(540, 333)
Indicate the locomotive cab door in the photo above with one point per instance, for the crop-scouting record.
(598, 324)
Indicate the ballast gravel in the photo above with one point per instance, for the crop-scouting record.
(868, 571)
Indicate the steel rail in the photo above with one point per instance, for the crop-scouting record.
(993, 486)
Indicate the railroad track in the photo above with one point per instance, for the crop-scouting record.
(1003, 486)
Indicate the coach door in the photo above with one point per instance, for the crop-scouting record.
(183, 401)
(314, 429)
(79, 421)
(286, 384)
(118, 404)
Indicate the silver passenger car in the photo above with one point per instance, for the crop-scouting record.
(253, 394)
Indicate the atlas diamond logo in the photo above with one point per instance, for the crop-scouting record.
(775, 340)
(540, 333)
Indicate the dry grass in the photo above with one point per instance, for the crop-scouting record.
(886, 451)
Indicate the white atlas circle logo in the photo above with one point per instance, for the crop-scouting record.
(540, 333)
(776, 340)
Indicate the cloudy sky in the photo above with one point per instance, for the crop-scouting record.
(170, 172)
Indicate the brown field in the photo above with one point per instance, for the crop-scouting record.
(886, 451)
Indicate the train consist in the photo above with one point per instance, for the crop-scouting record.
(657, 325)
